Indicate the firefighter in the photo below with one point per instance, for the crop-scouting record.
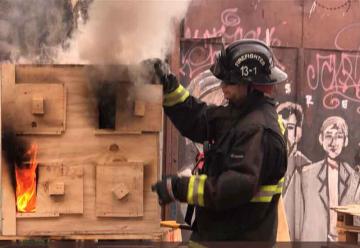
(236, 193)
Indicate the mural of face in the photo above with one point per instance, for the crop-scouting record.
(290, 126)
(292, 116)
(333, 140)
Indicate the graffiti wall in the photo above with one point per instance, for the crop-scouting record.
(317, 43)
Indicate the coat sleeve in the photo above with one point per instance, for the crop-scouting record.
(188, 114)
(237, 184)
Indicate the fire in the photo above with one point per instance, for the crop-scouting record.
(26, 183)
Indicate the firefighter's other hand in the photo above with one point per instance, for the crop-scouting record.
(165, 189)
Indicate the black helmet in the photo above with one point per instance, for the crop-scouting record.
(247, 61)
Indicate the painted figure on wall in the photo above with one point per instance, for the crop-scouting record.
(292, 115)
(327, 183)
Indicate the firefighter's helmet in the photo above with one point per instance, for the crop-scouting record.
(247, 61)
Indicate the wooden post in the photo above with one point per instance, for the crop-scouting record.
(171, 135)
(8, 208)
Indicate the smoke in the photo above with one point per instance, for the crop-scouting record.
(87, 31)
(126, 31)
(33, 31)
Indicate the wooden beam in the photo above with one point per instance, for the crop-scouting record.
(8, 203)
(8, 213)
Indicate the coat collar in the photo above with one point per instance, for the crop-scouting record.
(323, 190)
(344, 175)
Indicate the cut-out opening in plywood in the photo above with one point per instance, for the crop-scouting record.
(140, 112)
(60, 190)
(40, 108)
(119, 189)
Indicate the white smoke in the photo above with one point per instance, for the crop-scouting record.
(126, 31)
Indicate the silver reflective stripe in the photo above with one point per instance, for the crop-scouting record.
(169, 188)
(196, 190)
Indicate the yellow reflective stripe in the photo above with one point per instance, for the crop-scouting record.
(201, 190)
(280, 185)
(278, 190)
(262, 199)
(266, 192)
(174, 93)
(281, 124)
(177, 96)
(181, 98)
(268, 188)
(190, 193)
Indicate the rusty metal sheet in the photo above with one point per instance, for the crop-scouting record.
(332, 24)
(236, 19)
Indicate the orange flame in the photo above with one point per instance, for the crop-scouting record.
(26, 183)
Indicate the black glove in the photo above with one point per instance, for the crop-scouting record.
(166, 78)
(165, 189)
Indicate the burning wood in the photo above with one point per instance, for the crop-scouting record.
(26, 183)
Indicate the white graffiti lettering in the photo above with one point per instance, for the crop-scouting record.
(309, 100)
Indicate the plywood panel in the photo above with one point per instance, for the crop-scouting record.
(79, 146)
(71, 202)
(151, 97)
(52, 121)
(122, 176)
(126, 120)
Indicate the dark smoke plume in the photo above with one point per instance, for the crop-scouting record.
(33, 31)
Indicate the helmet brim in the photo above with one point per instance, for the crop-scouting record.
(276, 76)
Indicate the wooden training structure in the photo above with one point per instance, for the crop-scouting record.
(92, 183)
(347, 231)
